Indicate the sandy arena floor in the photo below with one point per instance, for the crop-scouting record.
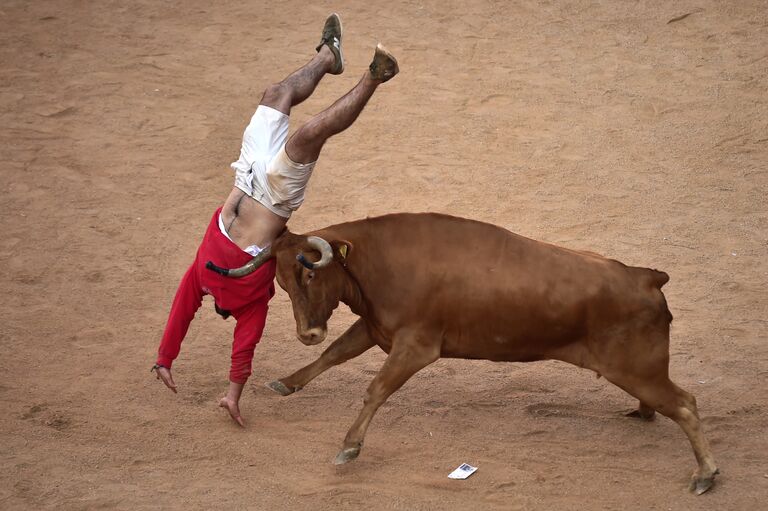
(598, 125)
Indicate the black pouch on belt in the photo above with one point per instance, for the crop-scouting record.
(221, 312)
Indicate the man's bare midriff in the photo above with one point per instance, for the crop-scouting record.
(248, 222)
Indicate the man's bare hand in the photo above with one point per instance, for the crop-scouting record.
(234, 410)
(163, 373)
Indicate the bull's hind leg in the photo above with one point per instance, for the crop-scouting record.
(350, 344)
(661, 394)
(643, 411)
(405, 359)
(578, 354)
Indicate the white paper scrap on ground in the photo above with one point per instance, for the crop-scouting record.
(465, 470)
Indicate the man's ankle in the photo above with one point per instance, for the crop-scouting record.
(327, 56)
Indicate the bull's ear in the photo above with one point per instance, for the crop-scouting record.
(341, 249)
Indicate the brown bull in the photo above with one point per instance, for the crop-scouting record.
(428, 286)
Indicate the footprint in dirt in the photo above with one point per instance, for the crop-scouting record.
(33, 411)
(58, 422)
(551, 410)
(55, 420)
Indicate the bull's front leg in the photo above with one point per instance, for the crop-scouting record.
(350, 344)
(408, 355)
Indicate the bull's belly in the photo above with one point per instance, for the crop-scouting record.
(512, 345)
(511, 334)
(521, 326)
(496, 350)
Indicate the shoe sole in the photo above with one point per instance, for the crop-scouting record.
(380, 47)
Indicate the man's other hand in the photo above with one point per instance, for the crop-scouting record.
(233, 408)
(163, 373)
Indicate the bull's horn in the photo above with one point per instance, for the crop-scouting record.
(322, 246)
(248, 268)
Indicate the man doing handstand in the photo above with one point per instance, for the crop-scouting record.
(270, 178)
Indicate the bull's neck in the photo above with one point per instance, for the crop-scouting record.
(353, 295)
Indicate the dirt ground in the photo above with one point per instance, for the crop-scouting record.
(597, 125)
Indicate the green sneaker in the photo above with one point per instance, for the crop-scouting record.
(384, 66)
(332, 31)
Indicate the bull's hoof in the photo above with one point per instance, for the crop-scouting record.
(700, 484)
(280, 388)
(646, 415)
(347, 455)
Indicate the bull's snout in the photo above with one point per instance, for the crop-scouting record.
(312, 336)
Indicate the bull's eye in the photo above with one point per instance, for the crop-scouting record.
(310, 275)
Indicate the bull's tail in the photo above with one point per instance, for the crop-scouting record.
(655, 280)
(652, 278)
(659, 278)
